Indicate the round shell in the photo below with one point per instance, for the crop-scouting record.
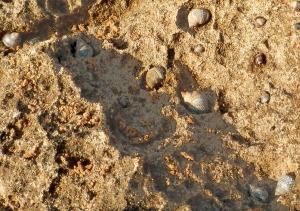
(265, 98)
(296, 5)
(83, 50)
(260, 21)
(198, 17)
(12, 40)
(196, 102)
(199, 49)
(284, 185)
(155, 77)
(258, 193)
(260, 59)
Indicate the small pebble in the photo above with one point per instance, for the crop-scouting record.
(296, 5)
(284, 185)
(199, 49)
(258, 193)
(124, 101)
(260, 59)
(260, 21)
(297, 26)
(12, 40)
(265, 98)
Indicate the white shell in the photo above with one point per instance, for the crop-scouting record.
(12, 39)
(265, 98)
(198, 17)
(196, 102)
(284, 185)
(83, 50)
(258, 193)
(199, 49)
(260, 21)
(296, 5)
(155, 77)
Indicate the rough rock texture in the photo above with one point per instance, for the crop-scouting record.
(88, 134)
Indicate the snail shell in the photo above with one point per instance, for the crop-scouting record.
(196, 102)
(284, 185)
(260, 21)
(12, 40)
(198, 17)
(258, 193)
(155, 77)
(83, 50)
(296, 5)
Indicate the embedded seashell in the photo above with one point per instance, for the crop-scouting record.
(198, 17)
(260, 59)
(284, 185)
(199, 49)
(260, 21)
(155, 77)
(258, 193)
(83, 50)
(12, 40)
(265, 98)
(196, 102)
(296, 5)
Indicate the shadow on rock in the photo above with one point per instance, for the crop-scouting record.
(184, 154)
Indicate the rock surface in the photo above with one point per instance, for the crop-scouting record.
(67, 143)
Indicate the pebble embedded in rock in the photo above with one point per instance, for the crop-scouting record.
(296, 5)
(297, 26)
(83, 50)
(260, 59)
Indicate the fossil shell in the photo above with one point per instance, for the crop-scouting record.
(260, 21)
(199, 49)
(260, 59)
(258, 193)
(12, 39)
(155, 77)
(198, 17)
(83, 50)
(284, 185)
(196, 102)
(297, 26)
(296, 5)
(265, 98)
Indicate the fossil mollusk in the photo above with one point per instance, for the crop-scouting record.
(83, 50)
(155, 77)
(258, 193)
(198, 17)
(196, 101)
(12, 39)
(284, 185)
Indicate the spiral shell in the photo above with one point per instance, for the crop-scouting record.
(12, 40)
(284, 185)
(196, 102)
(83, 50)
(198, 17)
(155, 77)
(258, 193)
